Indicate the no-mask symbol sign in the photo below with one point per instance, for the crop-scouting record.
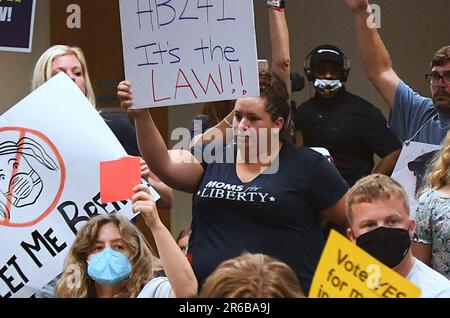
(32, 176)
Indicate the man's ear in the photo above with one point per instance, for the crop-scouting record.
(350, 235)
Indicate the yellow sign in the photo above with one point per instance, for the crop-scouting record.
(346, 271)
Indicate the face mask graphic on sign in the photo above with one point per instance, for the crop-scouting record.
(20, 183)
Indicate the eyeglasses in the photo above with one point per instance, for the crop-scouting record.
(434, 77)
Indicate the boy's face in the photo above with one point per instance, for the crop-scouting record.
(390, 212)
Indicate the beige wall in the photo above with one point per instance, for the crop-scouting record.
(411, 29)
(16, 68)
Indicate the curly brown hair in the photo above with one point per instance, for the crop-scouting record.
(75, 267)
(275, 92)
(441, 57)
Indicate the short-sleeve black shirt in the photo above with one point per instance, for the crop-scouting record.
(275, 214)
(352, 129)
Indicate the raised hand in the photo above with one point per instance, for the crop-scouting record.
(145, 170)
(143, 202)
(357, 5)
(126, 99)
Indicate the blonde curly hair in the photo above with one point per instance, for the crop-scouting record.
(75, 282)
(439, 175)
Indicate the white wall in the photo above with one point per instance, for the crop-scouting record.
(16, 68)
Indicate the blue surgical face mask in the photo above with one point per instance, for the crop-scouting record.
(326, 87)
(109, 267)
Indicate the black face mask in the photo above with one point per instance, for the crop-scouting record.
(388, 245)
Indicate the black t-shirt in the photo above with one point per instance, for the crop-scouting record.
(275, 214)
(352, 129)
(124, 131)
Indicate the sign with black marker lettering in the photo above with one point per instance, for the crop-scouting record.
(347, 271)
(189, 51)
(16, 25)
(51, 146)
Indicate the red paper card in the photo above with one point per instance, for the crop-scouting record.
(118, 178)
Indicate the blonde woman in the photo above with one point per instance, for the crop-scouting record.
(71, 60)
(63, 58)
(110, 258)
(252, 276)
(432, 244)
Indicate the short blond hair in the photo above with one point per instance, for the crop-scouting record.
(252, 276)
(43, 68)
(373, 188)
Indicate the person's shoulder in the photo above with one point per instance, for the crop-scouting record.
(304, 109)
(407, 93)
(117, 122)
(436, 283)
(157, 287)
(308, 102)
(359, 103)
(428, 195)
(301, 153)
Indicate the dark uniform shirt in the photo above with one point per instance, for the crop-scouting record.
(352, 129)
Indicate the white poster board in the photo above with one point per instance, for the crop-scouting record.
(189, 51)
(411, 167)
(51, 144)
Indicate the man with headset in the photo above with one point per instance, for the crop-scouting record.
(413, 117)
(352, 129)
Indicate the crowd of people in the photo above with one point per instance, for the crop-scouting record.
(263, 235)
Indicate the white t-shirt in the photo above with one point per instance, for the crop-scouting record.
(432, 284)
(158, 287)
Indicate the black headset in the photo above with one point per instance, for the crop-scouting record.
(345, 68)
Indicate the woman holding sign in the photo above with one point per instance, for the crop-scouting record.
(71, 60)
(110, 258)
(268, 196)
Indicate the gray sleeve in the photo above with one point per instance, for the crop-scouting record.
(409, 113)
(49, 290)
(158, 287)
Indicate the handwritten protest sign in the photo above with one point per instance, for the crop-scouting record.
(411, 169)
(51, 144)
(16, 25)
(189, 51)
(346, 271)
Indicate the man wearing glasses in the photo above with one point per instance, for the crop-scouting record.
(412, 117)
